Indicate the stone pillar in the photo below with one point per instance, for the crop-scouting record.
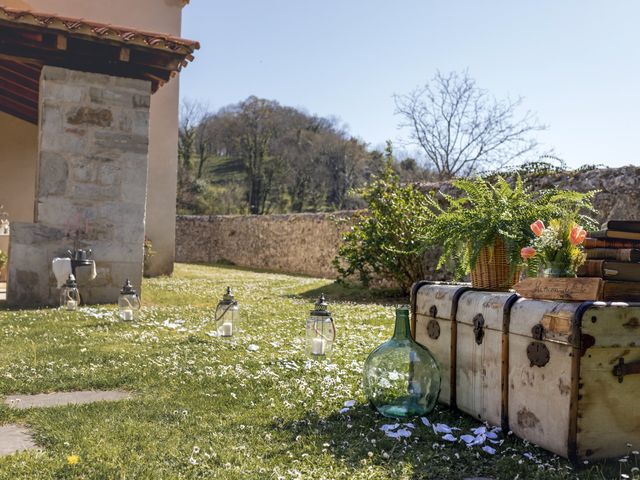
(91, 185)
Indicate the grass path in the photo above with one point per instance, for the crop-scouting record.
(207, 407)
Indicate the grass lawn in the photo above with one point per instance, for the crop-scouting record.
(207, 407)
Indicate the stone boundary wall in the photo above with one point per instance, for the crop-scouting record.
(307, 243)
(303, 243)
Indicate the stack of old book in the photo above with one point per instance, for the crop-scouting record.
(613, 254)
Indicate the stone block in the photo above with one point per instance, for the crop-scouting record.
(73, 94)
(109, 173)
(123, 213)
(97, 295)
(108, 252)
(58, 211)
(121, 142)
(133, 84)
(91, 191)
(103, 96)
(83, 171)
(50, 73)
(64, 143)
(50, 119)
(100, 117)
(53, 174)
(29, 264)
(140, 123)
(142, 101)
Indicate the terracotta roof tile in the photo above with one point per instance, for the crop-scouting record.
(99, 30)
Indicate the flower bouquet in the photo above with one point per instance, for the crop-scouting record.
(551, 262)
(556, 250)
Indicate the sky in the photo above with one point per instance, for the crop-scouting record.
(575, 62)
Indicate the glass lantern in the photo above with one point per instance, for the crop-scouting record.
(128, 301)
(321, 330)
(227, 315)
(69, 294)
(401, 378)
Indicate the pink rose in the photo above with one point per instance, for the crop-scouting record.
(537, 228)
(528, 252)
(577, 235)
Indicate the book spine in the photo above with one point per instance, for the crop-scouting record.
(620, 255)
(591, 268)
(609, 243)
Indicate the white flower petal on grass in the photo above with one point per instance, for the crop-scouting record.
(409, 425)
(442, 428)
(403, 432)
(253, 347)
(349, 403)
(426, 421)
(389, 426)
(449, 438)
(491, 435)
(344, 410)
(480, 439)
(480, 430)
(468, 439)
(489, 450)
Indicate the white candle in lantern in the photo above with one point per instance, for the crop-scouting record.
(227, 329)
(71, 304)
(318, 346)
(126, 314)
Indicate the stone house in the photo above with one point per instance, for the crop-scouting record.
(88, 138)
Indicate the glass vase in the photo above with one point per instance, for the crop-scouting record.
(557, 270)
(401, 378)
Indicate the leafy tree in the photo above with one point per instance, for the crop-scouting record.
(383, 243)
(463, 130)
(282, 158)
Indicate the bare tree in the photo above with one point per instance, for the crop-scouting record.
(462, 129)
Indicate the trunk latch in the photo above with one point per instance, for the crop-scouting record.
(478, 328)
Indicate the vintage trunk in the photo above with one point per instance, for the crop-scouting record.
(563, 375)
(540, 376)
(481, 322)
(433, 325)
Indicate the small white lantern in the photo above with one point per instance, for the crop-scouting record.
(69, 294)
(128, 302)
(321, 330)
(227, 315)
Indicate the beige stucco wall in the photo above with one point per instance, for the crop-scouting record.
(163, 16)
(18, 158)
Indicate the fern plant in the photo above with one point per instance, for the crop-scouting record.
(464, 225)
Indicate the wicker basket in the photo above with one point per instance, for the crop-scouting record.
(492, 270)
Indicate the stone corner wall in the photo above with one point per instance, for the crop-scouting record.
(304, 243)
(91, 185)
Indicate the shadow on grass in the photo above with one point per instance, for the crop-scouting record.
(355, 293)
(355, 439)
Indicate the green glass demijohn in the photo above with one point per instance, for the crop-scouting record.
(401, 378)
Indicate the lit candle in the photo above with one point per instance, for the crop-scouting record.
(126, 314)
(227, 329)
(317, 346)
(71, 304)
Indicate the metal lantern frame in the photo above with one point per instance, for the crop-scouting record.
(128, 301)
(320, 340)
(226, 325)
(69, 294)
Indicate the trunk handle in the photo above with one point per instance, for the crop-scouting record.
(622, 369)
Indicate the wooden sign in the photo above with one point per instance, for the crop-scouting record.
(568, 289)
